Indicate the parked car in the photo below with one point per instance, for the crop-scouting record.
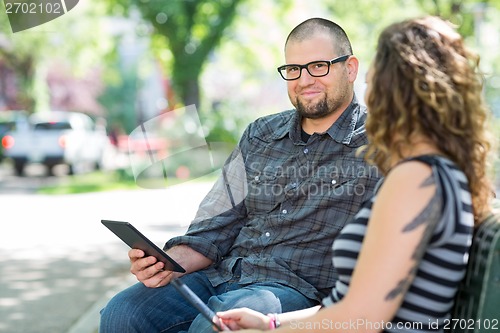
(10, 120)
(57, 137)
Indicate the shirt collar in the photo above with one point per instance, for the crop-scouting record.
(344, 128)
(341, 131)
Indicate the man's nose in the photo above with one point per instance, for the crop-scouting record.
(305, 78)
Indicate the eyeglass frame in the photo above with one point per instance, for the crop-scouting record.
(301, 67)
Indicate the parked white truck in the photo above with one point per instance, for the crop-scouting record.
(57, 137)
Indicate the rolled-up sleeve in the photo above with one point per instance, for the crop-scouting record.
(221, 214)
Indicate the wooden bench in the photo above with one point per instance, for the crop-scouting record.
(477, 305)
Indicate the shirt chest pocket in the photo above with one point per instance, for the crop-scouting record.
(266, 190)
(331, 186)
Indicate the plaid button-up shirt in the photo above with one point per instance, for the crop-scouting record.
(280, 203)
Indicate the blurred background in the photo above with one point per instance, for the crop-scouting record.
(125, 62)
(114, 70)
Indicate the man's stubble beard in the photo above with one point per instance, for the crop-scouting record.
(319, 110)
(326, 106)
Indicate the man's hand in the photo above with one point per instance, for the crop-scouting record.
(152, 273)
(149, 270)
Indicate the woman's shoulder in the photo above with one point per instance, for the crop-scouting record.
(407, 188)
(408, 171)
(421, 165)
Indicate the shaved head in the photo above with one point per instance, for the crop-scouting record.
(312, 26)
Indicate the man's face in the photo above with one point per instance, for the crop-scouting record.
(318, 97)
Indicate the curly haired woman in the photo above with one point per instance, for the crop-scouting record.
(401, 259)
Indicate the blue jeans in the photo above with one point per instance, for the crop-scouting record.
(140, 309)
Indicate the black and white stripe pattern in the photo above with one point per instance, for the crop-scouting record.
(428, 302)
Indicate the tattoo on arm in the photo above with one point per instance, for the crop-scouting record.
(429, 217)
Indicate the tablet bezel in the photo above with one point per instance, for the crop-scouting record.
(136, 240)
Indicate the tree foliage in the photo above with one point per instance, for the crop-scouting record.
(191, 30)
(66, 39)
(237, 38)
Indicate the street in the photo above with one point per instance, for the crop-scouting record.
(59, 264)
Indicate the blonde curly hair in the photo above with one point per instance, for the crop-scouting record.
(427, 83)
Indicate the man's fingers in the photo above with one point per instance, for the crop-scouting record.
(135, 254)
(146, 268)
(158, 280)
(144, 263)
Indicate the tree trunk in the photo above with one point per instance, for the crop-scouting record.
(191, 92)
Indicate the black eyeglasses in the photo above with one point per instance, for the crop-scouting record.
(314, 68)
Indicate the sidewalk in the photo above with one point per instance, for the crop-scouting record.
(60, 265)
(88, 321)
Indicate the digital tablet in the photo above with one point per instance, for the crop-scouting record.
(195, 301)
(136, 240)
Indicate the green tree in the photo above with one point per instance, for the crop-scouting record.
(461, 12)
(66, 39)
(190, 29)
(119, 97)
(15, 53)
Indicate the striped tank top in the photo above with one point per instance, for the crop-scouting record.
(427, 304)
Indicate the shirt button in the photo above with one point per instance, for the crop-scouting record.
(284, 211)
(306, 151)
(268, 234)
(334, 182)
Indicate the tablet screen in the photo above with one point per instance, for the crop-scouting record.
(136, 240)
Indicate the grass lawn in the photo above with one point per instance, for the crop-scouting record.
(107, 181)
(89, 182)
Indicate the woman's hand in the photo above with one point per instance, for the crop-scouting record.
(238, 319)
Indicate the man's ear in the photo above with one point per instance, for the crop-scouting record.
(352, 67)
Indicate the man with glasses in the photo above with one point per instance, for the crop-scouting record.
(261, 237)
